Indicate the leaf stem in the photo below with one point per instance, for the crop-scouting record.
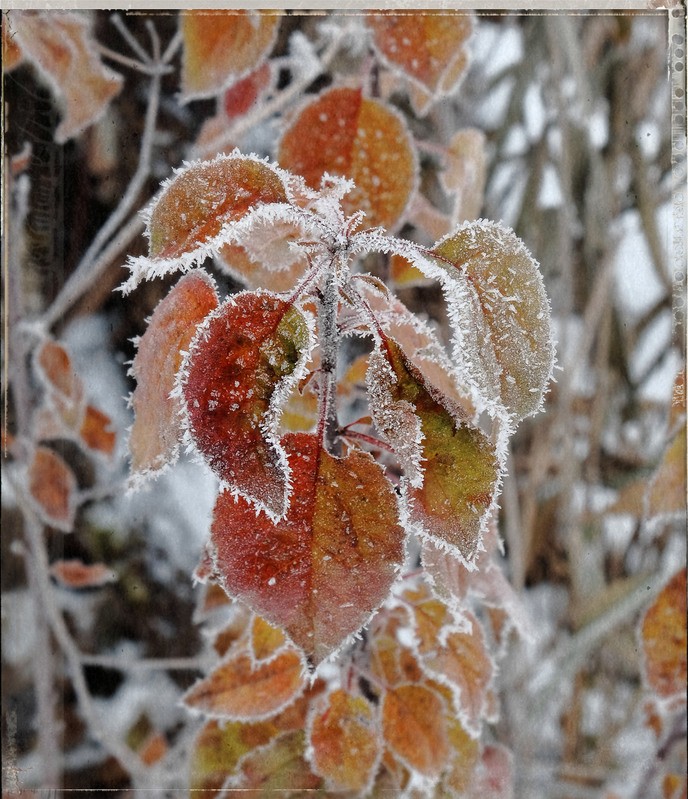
(328, 299)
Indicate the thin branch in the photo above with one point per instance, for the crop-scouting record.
(126, 34)
(148, 664)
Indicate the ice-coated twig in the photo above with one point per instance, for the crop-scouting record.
(147, 664)
(126, 34)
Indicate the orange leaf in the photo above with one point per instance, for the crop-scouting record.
(240, 690)
(94, 431)
(241, 364)
(663, 640)
(53, 486)
(678, 399)
(463, 759)
(344, 133)
(61, 47)
(429, 49)
(321, 571)
(221, 47)
(76, 574)
(266, 639)
(153, 749)
(415, 727)
(11, 52)
(465, 173)
(345, 744)
(154, 439)
(390, 662)
(65, 389)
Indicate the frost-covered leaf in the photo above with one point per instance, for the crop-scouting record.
(342, 132)
(663, 640)
(220, 746)
(95, 432)
(500, 313)
(266, 639)
(278, 769)
(77, 574)
(404, 274)
(428, 49)
(329, 563)
(414, 726)
(220, 47)
(494, 778)
(451, 468)
(154, 439)
(206, 205)
(240, 689)
(241, 365)
(464, 175)
(345, 743)
(61, 47)
(667, 492)
(204, 196)
(11, 52)
(52, 486)
(392, 663)
(463, 759)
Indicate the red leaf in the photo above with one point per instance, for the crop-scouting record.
(321, 571)
(60, 45)
(241, 365)
(346, 747)
(154, 439)
(53, 487)
(76, 574)
(427, 48)
(415, 727)
(221, 47)
(243, 94)
(663, 640)
(241, 690)
(343, 133)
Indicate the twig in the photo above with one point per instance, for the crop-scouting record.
(85, 273)
(126, 34)
(117, 663)
(41, 566)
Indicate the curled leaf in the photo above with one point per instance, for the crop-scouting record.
(154, 439)
(329, 563)
(342, 132)
(663, 640)
(240, 690)
(241, 366)
(221, 47)
(345, 746)
(61, 47)
(451, 469)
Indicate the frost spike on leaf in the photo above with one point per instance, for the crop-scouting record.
(61, 47)
(240, 368)
(321, 571)
(222, 47)
(663, 640)
(155, 434)
(243, 691)
(345, 747)
(452, 472)
(341, 132)
(415, 727)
